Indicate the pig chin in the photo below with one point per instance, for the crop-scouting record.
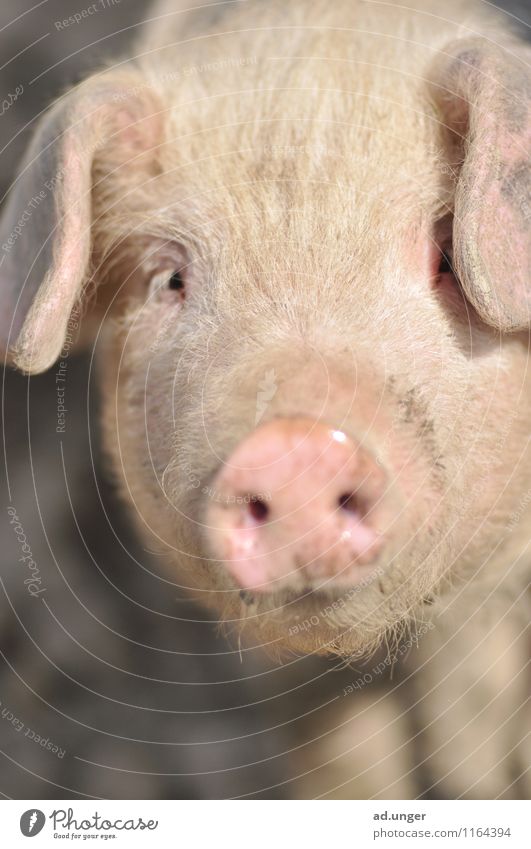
(381, 603)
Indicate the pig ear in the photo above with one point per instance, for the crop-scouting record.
(45, 227)
(484, 95)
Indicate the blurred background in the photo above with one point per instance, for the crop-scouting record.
(112, 684)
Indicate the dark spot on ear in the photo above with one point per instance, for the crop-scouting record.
(508, 82)
(516, 188)
(471, 57)
(516, 97)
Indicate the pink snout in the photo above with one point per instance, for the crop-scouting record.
(296, 505)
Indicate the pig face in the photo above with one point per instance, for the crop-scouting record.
(315, 357)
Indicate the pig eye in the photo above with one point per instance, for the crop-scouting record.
(445, 263)
(443, 275)
(442, 254)
(169, 280)
(176, 281)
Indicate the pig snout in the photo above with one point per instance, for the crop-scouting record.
(296, 506)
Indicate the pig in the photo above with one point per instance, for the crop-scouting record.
(298, 237)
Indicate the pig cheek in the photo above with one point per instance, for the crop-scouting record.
(144, 420)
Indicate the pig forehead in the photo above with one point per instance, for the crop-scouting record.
(284, 169)
(279, 130)
(334, 134)
(328, 116)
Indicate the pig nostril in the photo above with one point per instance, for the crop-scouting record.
(349, 502)
(258, 510)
